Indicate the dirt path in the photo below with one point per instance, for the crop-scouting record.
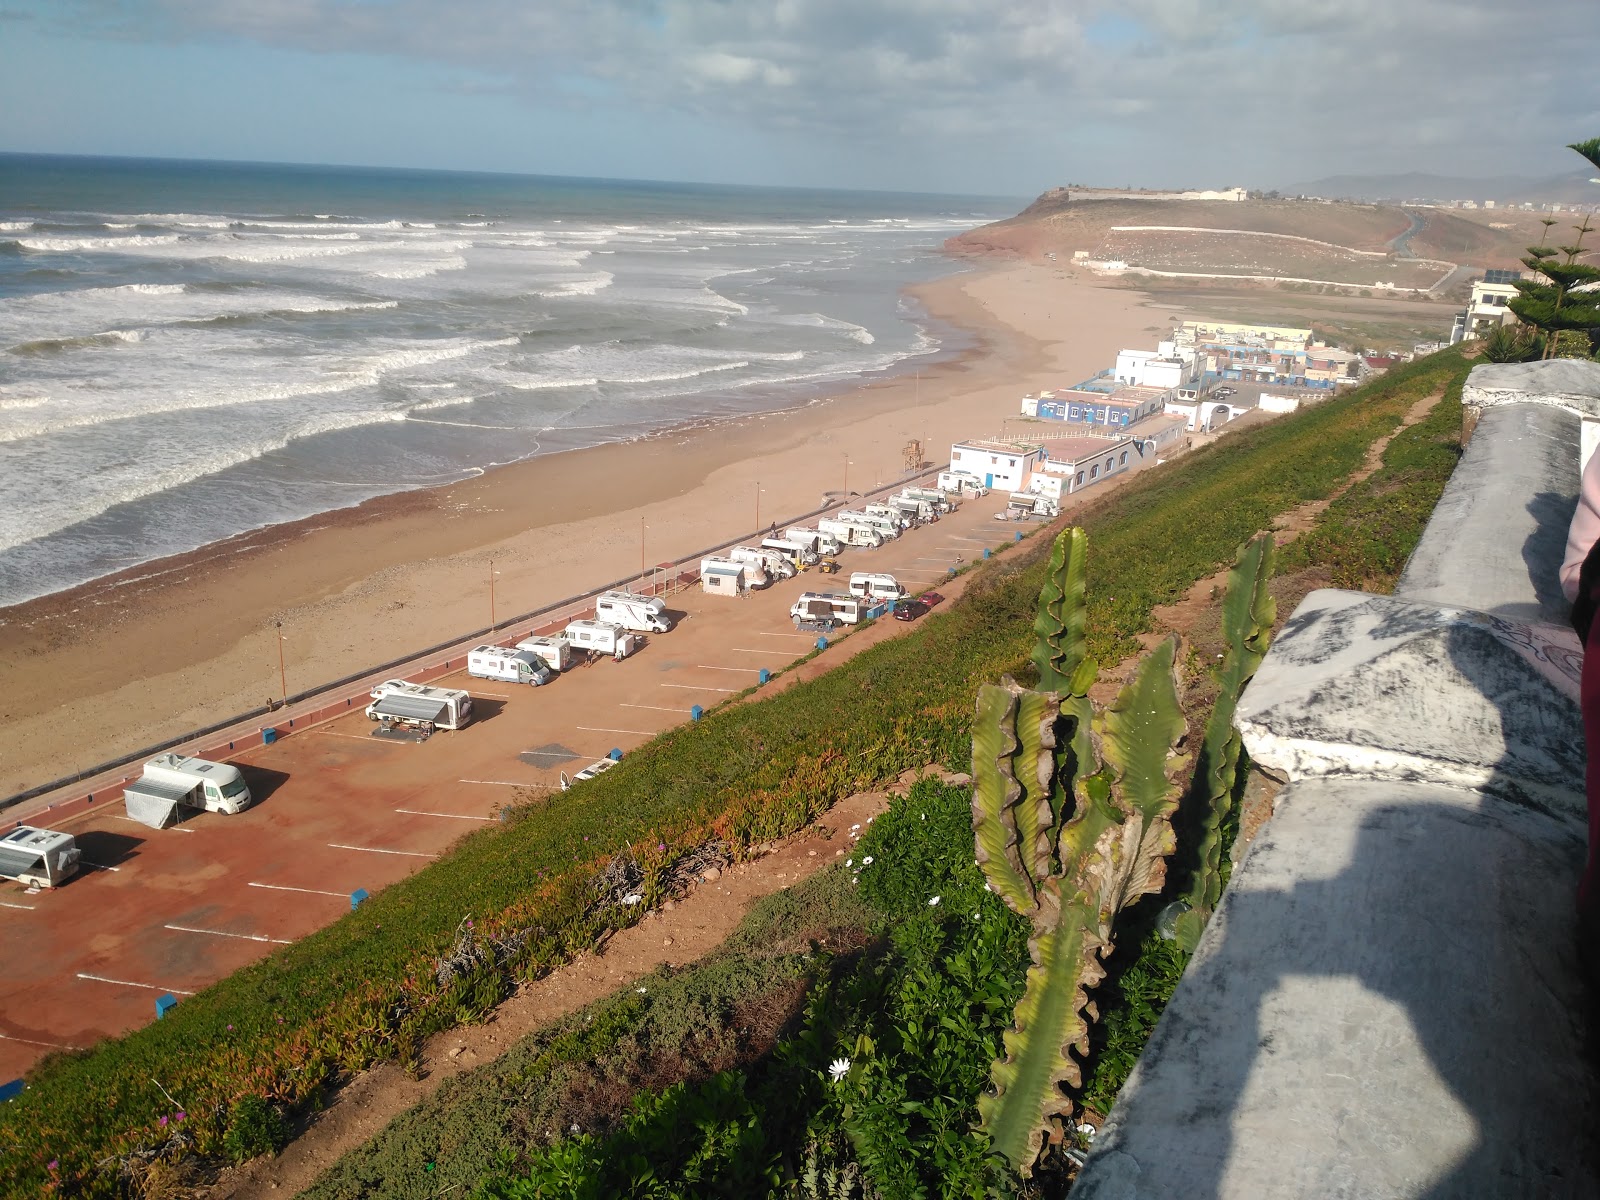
(679, 933)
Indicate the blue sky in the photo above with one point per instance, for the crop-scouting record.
(987, 96)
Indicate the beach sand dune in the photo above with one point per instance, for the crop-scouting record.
(107, 668)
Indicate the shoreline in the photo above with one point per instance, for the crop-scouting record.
(120, 662)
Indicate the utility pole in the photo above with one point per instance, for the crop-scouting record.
(491, 595)
(642, 571)
(283, 677)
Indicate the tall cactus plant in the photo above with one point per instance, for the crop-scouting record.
(1067, 843)
(1248, 612)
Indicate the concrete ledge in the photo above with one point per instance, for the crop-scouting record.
(1569, 383)
(1386, 1004)
(1498, 534)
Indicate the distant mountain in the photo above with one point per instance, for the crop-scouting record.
(1563, 189)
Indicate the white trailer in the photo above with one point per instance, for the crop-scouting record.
(725, 577)
(645, 614)
(850, 533)
(941, 501)
(778, 566)
(819, 541)
(39, 857)
(961, 483)
(824, 606)
(915, 512)
(510, 666)
(403, 703)
(219, 787)
(602, 637)
(887, 527)
(874, 585)
(794, 553)
(890, 513)
(555, 651)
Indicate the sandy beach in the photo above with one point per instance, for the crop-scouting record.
(118, 664)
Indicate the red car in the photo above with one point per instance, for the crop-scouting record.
(910, 610)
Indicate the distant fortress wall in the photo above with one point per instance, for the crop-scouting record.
(1108, 194)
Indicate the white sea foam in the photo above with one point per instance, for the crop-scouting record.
(112, 244)
(575, 287)
(15, 226)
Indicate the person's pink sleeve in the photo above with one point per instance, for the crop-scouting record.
(1585, 527)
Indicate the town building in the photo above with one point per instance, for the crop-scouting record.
(1083, 461)
(1247, 353)
(1000, 464)
(1096, 404)
(1162, 367)
(1487, 306)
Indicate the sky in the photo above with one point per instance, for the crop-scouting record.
(994, 97)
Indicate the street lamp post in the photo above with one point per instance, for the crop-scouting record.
(642, 571)
(491, 595)
(758, 508)
(283, 677)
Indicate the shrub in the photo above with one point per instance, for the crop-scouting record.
(255, 1127)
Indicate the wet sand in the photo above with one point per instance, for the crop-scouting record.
(121, 663)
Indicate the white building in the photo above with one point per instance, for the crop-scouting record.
(1081, 462)
(1162, 367)
(1486, 307)
(1003, 465)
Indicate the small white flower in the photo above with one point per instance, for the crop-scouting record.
(839, 1068)
(924, 816)
(867, 861)
(853, 828)
(987, 888)
(933, 902)
(575, 1128)
(632, 898)
(640, 991)
(1087, 1130)
(849, 862)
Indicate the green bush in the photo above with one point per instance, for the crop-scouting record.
(255, 1127)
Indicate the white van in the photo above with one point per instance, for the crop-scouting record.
(873, 585)
(814, 539)
(222, 788)
(813, 606)
(646, 614)
(850, 533)
(778, 566)
(602, 637)
(960, 482)
(403, 703)
(887, 527)
(794, 554)
(555, 651)
(512, 666)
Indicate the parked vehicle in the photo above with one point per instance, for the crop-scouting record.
(915, 512)
(602, 637)
(797, 556)
(961, 483)
(646, 614)
(556, 651)
(887, 527)
(777, 566)
(512, 666)
(893, 514)
(818, 541)
(724, 577)
(814, 606)
(39, 857)
(875, 585)
(942, 502)
(173, 787)
(851, 533)
(1022, 505)
(397, 702)
(828, 566)
(909, 610)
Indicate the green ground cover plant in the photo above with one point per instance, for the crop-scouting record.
(514, 902)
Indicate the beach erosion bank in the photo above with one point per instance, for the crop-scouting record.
(106, 668)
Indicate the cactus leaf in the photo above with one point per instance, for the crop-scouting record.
(1061, 646)
(1013, 779)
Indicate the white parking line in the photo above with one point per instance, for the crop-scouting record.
(488, 696)
(498, 782)
(695, 687)
(8, 904)
(6, 1037)
(283, 887)
(381, 850)
(709, 667)
(243, 937)
(360, 737)
(764, 633)
(97, 866)
(656, 708)
(760, 649)
(154, 987)
(173, 828)
(603, 729)
(414, 812)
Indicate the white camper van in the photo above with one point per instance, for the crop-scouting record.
(874, 586)
(511, 666)
(39, 857)
(1022, 505)
(793, 553)
(555, 651)
(826, 606)
(850, 533)
(890, 513)
(960, 483)
(725, 577)
(778, 566)
(646, 614)
(941, 501)
(401, 703)
(887, 527)
(223, 788)
(819, 542)
(602, 637)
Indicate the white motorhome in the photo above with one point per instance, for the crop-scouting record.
(795, 554)
(602, 637)
(890, 513)
(850, 533)
(556, 651)
(816, 539)
(887, 527)
(511, 666)
(778, 566)
(725, 577)
(219, 787)
(1031, 504)
(39, 857)
(959, 483)
(824, 606)
(874, 585)
(941, 501)
(398, 702)
(646, 614)
(913, 510)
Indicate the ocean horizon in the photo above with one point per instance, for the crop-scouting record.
(197, 349)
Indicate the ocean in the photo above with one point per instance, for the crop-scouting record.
(190, 350)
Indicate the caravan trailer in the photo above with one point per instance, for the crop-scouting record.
(39, 857)
(645, 614)
(401, 703)
(556, 651)
(724, 577)
(510, 666)
(602, 637)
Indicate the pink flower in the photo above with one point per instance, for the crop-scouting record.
(163, 1122)
(55, 1164)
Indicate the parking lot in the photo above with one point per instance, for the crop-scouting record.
(338, 808)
